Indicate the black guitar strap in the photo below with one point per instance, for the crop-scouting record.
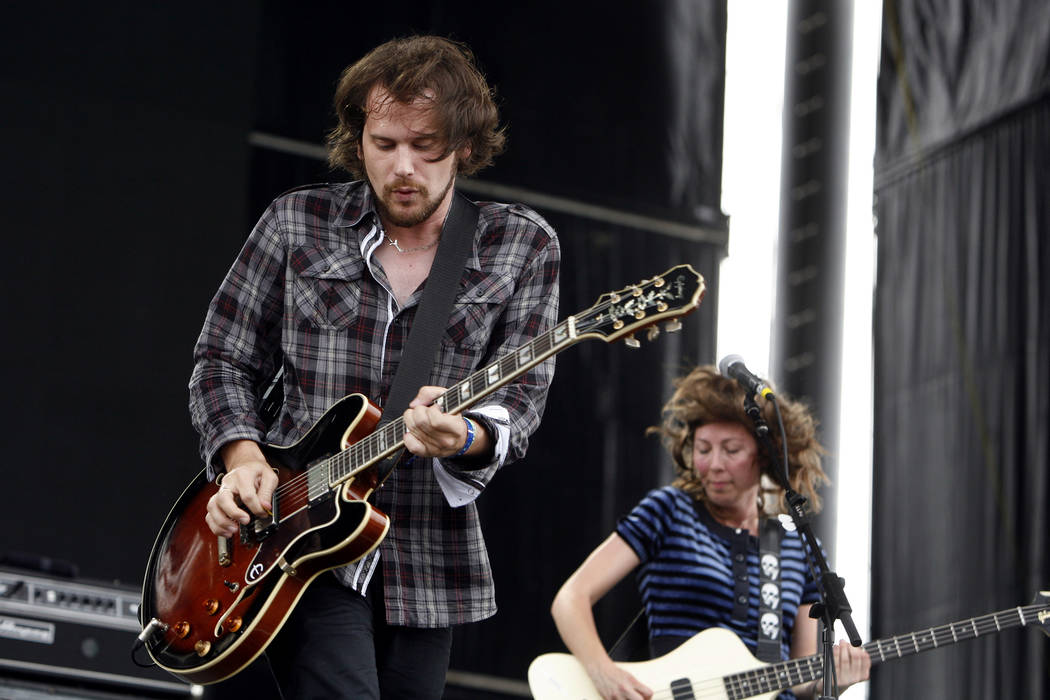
(431, 318)
(769, 613)
(632, 640)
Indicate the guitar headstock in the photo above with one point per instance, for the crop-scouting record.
(620, 314)
(1042, 599)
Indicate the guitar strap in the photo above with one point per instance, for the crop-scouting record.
(631, 640)
(272, 398)
(431, 318)
(770, 620)
(438, 293)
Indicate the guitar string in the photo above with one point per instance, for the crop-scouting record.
(295, 486)
(298, 486)
(962, 630)
(766, 679)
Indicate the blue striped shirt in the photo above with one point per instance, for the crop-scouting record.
(686, 576)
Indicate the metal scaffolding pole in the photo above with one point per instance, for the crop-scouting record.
(807, 326)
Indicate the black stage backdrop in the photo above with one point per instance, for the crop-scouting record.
(134, 170)
(962, 324)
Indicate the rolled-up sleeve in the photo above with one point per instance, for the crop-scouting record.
(513, 412)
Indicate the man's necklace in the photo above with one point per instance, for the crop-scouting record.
(428, 246)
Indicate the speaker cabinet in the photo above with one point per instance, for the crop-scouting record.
(66, 632)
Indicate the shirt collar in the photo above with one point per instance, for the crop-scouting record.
(358, 204)
(724, 531)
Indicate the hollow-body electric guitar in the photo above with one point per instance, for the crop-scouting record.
(715, 664)
(210, 604)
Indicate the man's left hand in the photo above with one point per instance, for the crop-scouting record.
(429, 432)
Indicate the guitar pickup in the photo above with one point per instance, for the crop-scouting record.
(259, 528)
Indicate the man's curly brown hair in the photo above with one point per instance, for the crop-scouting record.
(429, 69)
(705, 396)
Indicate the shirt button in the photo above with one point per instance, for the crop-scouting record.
(740, 557)
(742, 599)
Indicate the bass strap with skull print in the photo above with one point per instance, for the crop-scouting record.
(769, 615)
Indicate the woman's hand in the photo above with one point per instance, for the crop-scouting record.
(614, 683)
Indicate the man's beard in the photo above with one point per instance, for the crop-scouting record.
(407, 218)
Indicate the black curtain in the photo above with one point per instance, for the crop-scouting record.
(962, 323)
(125, 163)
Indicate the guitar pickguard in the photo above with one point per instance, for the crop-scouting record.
(296, 533)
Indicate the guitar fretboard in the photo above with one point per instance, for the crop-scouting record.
(388, 438)
(678, 291)
(796, 671)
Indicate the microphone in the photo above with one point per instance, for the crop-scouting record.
(732, 366)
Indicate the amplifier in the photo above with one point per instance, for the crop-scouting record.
(76, 632)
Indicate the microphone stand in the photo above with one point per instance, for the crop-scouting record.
(833, 605)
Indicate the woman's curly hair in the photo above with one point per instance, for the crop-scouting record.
(441, 72)
(705, 396)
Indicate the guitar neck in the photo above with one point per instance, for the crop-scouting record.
(508, 367)
(945, 635)
(676, 292)
(803, 670)
(388, 438)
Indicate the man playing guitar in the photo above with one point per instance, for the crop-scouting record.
(328, 283)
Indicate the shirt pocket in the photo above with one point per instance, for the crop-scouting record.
(477, 308)
(326, 286)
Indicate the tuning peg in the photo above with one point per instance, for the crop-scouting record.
(673, 325)
(651, 333)
(632, 342)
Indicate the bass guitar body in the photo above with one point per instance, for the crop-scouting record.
(706, 656)
(715, 665)
(211, 605)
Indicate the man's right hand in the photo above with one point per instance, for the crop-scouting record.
(249, 482)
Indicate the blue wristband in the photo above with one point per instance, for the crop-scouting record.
(470, 438)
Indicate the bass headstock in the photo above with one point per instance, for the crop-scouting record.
(622, 313)
(1042, 617)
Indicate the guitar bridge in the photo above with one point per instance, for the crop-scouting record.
(259, 528)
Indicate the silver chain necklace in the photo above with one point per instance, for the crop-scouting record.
(428, 246)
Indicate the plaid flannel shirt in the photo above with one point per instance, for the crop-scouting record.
(306, 289)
